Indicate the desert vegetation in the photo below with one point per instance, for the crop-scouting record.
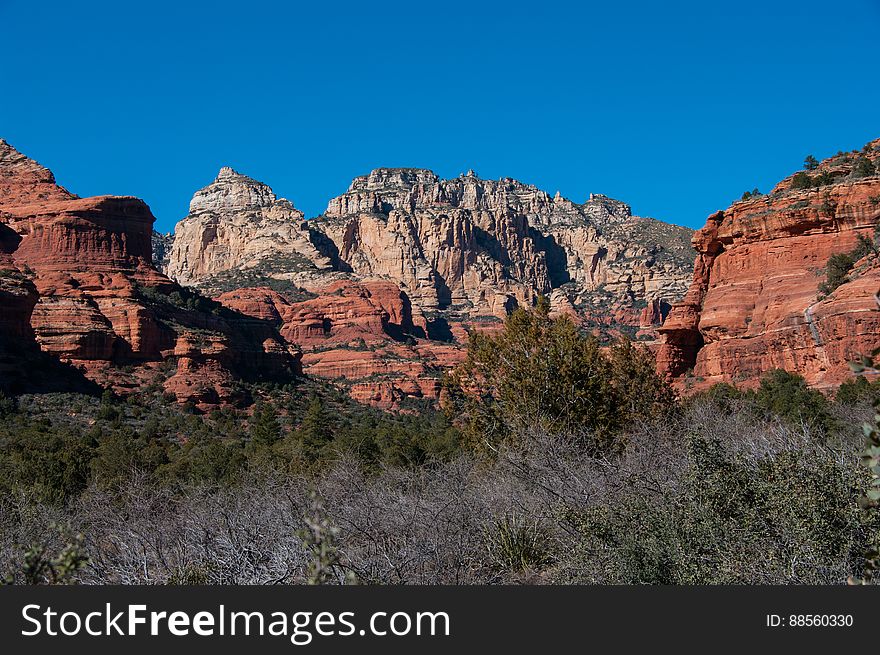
(840, 264)
(553, 460)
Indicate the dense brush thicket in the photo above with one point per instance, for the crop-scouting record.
(555, 461)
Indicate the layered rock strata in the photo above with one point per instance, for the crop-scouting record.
(363, 335)
(462, 247)
(756, 302)
(99, 304)
(455, 255)
(237, 223)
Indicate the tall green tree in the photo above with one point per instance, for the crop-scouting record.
(316, 430)
(265, 428)
(640, 392)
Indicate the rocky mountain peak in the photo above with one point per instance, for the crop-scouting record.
(384, 179)
(600, 207)
(227, 172)
(232, 191)
(237, 222)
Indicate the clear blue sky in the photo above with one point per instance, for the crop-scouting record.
(673, 107)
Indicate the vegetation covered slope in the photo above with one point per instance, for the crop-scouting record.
(728, 487)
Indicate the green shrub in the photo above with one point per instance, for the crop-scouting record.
(801, 181)
(857, 390)
(724, 396)
(53, 465)
(542, 373)
(788, 396)
(864, 168)
(108, 410)
(839, 265)
(822, 179)
(730, 519)
(40, 567)
(836, 270)
(206, 459)
(517, 545)
(7, 405)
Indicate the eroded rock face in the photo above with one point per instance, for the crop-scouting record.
(755, 303)
(91, 297)
(482, 247)
(162, 244)
(17, 294)
(236, 223)
(461, 247)
(20, 178)
(363, 335)
(23, 181)
(403, 265)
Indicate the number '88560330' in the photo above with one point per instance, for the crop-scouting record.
(820, 620)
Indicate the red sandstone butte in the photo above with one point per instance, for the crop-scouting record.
(755, 304)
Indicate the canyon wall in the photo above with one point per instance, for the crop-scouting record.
(757, 303)
(363, 335)
(482, 247)
(449, 256)
(463, 247)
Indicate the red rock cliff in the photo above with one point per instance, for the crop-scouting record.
(755, 302)
(362, 335)
(100, 303)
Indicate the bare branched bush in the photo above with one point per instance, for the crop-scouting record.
(714, 493)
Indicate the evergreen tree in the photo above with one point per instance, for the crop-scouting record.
(108, 410)
(316, 430)
(640, 391)
(811, 163)
(788, 396)
(265, 429)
